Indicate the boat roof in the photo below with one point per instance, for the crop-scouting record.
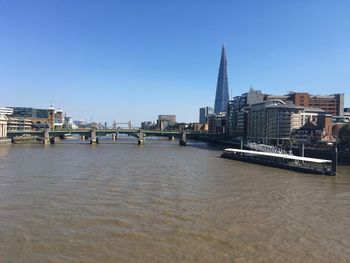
(278, 155)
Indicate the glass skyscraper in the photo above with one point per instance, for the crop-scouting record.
(204, 113)
(222, 97)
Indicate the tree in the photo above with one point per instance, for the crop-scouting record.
(344, 135)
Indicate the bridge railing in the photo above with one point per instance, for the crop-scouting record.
(265, 148)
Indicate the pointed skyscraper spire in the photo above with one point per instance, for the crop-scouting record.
(222, 97)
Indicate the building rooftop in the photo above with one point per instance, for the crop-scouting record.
(322, 96)
(314, 110)
(6, 111)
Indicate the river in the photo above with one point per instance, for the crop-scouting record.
(160, 202)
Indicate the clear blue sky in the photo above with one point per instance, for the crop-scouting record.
(132, 60)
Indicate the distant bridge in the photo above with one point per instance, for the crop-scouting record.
(48, 136)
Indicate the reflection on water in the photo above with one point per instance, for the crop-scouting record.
(118, 202)
(4, 151)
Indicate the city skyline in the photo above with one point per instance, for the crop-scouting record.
(117, 61)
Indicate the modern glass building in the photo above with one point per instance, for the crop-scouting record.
(6, 111)
(237, 109)
(222, 96)
(204, 113)
(30, 112)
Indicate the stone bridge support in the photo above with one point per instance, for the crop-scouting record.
(182, 138)
(52, 140)
(114, 136)
(93, 137)
(141, 137)
(46, 136)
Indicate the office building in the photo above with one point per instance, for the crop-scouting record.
(28, 112)
(222, 96)
(204, 113)
(217, 123)
(165, 122)
(331, 104)
(39, 118)
(148, 125)
(80, 123)
(272, 122)
(68, 122)
(347, 113)
(19, 124)
(237, 110)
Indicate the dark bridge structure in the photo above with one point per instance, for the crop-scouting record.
(48, 136)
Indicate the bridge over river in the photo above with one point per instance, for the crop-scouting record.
(48, 136)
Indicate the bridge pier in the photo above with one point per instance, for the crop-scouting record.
(183, 138)
(171, 138)
(334, 160)
(302, 151)
(114, 136)
(141, 137)
(93, 137)
(93, 141)
(46, 140)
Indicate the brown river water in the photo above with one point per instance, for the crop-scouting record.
(119, 202)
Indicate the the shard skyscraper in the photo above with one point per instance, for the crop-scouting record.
(222, 97)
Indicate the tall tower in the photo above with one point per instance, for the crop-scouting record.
(222, 97)
(51, 117)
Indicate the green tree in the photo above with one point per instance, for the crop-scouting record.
(344, 135)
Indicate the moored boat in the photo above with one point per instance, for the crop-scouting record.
(284, 161)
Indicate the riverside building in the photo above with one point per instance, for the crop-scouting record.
(217, 123)
(315, 130)
(19, 124)
(23, 117)
(273, 121)
(237, 111)
(3, 127)
(239, 108)
(331, 104)
(4, 113)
